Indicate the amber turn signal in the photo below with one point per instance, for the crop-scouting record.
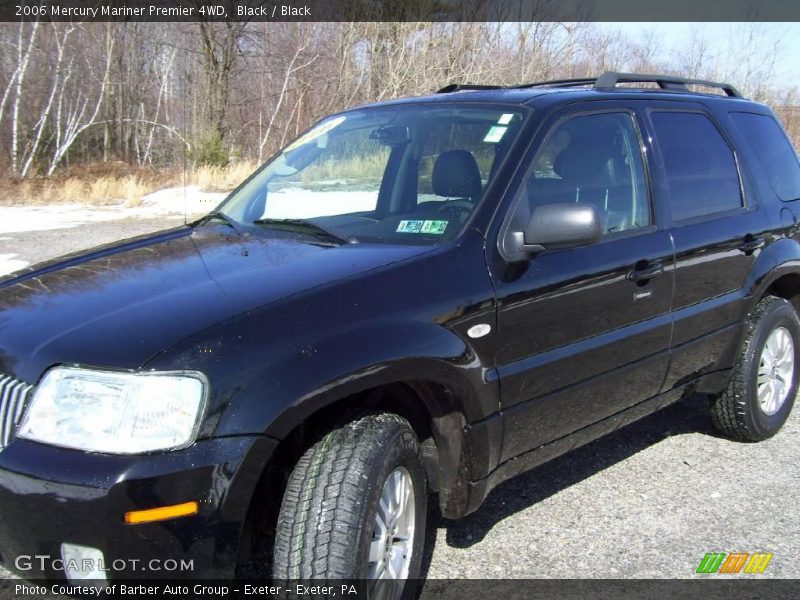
(161, 514)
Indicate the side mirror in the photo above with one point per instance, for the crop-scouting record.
(553, 226)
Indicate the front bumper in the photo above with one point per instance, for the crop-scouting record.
(50, 496)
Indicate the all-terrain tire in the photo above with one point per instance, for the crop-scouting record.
(325, 526)
(737, 412)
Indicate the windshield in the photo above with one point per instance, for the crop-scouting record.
(395, 175)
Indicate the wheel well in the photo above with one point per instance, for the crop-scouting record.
(788, 288)
(431, 410)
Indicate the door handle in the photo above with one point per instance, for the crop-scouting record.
(751, 244)
(643, 272)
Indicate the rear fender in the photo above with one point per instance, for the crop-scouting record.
(776, 260)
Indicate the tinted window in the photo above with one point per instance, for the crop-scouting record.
(592, 159)
(700, 166)
(773, 151)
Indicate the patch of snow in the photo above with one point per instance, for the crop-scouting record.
(16, 219)
(8, 264)
(170, 201)
(293, 203)
(191, 200)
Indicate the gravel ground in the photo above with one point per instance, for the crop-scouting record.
(647, 501)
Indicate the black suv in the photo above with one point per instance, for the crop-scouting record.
(427, 295)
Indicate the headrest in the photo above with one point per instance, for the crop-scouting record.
(581, 162)
(456, 175)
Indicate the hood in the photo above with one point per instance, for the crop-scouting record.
(117, 306)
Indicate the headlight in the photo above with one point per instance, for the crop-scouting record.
(116, 413)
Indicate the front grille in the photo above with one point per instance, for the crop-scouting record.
(14, 396)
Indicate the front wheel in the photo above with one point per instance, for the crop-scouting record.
(764, 383)
(355, 507)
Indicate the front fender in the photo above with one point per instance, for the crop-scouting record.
(305, 377)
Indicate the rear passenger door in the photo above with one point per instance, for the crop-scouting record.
(717, 230)
(583, 332)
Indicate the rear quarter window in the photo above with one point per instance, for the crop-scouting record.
(773, 152)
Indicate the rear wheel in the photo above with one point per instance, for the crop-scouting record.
(355, 508)
(763, 387)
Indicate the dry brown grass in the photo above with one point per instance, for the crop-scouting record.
(102, 190)
(221, 179)
(112, 183)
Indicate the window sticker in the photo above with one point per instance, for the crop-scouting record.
(409, 226)
(505, 119)
(434, 227)
(495, 134)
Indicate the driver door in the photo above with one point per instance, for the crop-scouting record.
(584, 332)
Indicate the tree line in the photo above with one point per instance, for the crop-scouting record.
(157, 94)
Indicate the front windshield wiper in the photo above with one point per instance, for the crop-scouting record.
(308, 227)
(218, 214)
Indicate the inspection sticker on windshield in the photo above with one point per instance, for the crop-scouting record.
(505, 118)
(495, 134)
(434, 227)
(429, 227)
(409, 226)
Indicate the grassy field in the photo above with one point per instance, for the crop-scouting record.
(111, 183)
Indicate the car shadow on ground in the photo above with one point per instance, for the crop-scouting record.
(690, 415)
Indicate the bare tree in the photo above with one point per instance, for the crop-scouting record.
(56, 90)
(220, 50)
(76, 114)
(146, 93)
(18, 79)
(287, 74)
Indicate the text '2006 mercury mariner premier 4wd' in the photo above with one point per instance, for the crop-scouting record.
(426, 295)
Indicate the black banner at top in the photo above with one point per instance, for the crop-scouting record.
(400, 10)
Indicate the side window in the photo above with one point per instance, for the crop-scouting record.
(773, 151)
(592, 159)
(702, 177)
